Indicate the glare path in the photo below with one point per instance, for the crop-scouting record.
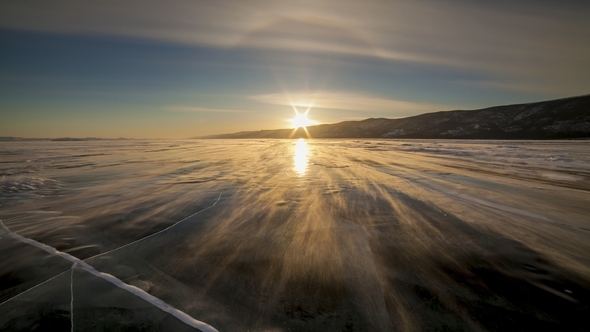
(183, 317)
(156, 233)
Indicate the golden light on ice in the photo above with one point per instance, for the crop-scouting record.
(300, 157)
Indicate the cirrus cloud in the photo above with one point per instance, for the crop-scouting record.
(346, 101)
(518, 42)
(196, 109)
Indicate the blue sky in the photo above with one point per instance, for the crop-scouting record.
(180, 69)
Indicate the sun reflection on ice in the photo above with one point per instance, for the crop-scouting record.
(300, 157)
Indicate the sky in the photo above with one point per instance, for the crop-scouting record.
(182, 68)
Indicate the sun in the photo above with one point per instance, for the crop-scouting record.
(301, 120)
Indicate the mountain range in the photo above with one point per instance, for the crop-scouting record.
(555, 119)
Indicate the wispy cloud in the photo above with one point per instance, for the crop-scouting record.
(346, 101)
(516, 41)
(177, 108)
(552, 88)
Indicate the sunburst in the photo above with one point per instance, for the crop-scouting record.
(301, 120)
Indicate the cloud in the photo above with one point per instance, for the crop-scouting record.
(346, 101)
(553, 89)
(176, 108)
(542, 41)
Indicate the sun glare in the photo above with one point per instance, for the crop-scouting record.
(301, 120)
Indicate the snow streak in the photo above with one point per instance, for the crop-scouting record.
(156, 233)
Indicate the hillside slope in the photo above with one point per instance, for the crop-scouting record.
(555, 119)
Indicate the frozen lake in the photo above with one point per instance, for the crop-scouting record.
(295, 235)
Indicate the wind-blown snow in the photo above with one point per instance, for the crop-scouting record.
(325, 235)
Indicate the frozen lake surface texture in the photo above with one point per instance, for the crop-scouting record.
(295, 235)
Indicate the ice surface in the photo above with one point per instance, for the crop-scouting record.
(289, 235)
(111, 279)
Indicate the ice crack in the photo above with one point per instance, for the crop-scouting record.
(183, 317)
(72, 296)
(156, 233)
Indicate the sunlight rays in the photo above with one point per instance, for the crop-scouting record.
(301, 121)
